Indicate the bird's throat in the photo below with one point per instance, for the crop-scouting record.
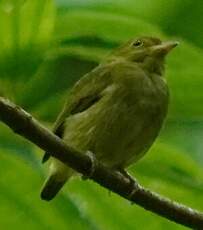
(153, 65)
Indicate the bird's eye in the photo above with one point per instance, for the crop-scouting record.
(137, 43)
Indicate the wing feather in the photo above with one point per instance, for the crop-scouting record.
(85, 93)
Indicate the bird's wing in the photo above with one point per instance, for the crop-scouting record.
(85, 93)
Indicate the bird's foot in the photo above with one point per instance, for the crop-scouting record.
(133, 183)
(92, 168)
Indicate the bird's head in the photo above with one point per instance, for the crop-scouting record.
(149, 52)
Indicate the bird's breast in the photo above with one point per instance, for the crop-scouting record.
(122, 125)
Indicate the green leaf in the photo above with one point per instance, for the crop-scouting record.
(25, 23)
(184, 75)
(101, 24)
(186, 136)
(25, 34)
(52, 81)
(21, 205)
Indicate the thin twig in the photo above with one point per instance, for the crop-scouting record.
(25, 125)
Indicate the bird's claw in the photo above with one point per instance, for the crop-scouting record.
(93, 164)
(133, 184)
(134, 188)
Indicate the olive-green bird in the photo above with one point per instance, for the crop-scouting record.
(115, 111)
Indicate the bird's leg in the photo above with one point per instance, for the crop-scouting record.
(92, 169)
(134, 185)
(127, 175)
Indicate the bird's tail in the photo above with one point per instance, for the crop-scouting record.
(55, 182)
(51, 188)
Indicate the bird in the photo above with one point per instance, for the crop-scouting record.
(115, 111)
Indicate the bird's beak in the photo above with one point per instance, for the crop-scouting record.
(163, 48)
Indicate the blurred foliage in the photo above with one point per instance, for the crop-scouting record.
(45, 47)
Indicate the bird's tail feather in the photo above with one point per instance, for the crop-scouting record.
(51, 187)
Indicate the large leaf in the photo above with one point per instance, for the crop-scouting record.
(174, 17)
(100, 24)
(25, 32)
(21, 206)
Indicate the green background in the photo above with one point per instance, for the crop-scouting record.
(45, 47)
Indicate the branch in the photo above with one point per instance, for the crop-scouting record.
(25, 125)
